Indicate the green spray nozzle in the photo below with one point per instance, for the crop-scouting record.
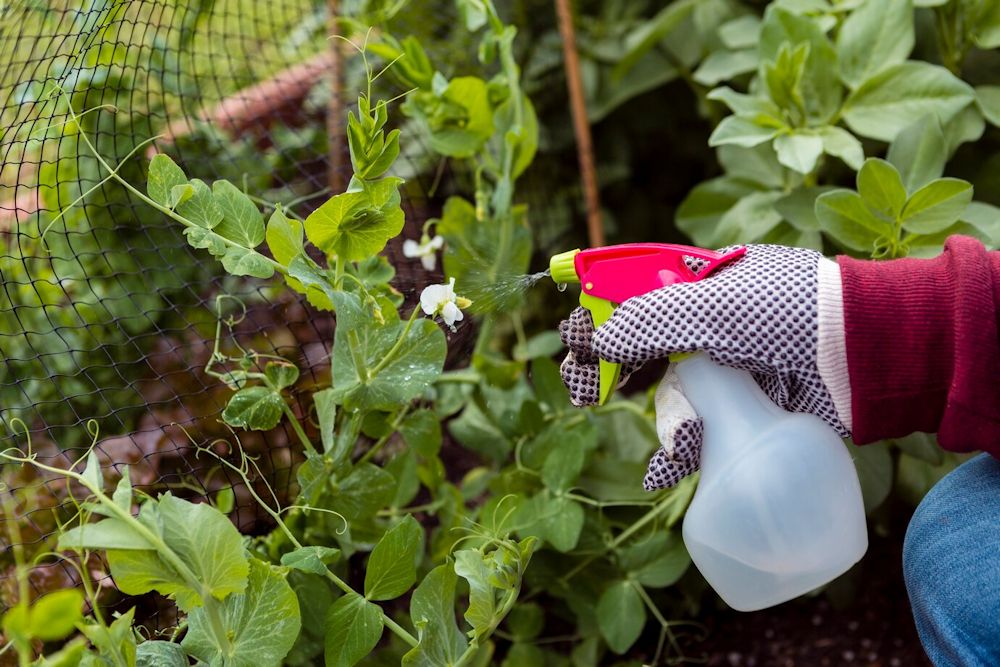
(562, 267)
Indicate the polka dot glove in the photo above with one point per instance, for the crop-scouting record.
(758, 314)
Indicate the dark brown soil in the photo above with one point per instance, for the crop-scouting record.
(871, 625)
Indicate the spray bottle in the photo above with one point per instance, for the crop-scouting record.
(778, 511)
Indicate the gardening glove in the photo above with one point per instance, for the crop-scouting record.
(762, 314)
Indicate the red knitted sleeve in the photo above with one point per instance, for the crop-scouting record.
(923, 351)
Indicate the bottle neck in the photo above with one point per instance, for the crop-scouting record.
(732, 406)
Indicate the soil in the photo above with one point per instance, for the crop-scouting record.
(871, 627)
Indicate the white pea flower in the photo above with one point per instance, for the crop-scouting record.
(425, 250)
(442, 300)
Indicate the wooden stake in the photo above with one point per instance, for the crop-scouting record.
(581, 125)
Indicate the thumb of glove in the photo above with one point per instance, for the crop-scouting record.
(680, 432)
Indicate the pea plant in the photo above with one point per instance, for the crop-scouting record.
(375, 495)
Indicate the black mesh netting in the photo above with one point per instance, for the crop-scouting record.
(106, 314)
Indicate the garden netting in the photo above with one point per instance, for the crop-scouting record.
(107, 316)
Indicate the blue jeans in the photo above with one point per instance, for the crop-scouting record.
(951, 564)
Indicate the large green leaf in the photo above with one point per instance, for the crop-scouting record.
(741, 131)
(799, 151)
(312, 559)
(201, 537)
(699, 214)
(284, 237)
(363, 492)
(164, 175)
(874, 466)
(556, 519)
(473, 566)
(844, 216)
(254, 408)
(903, 94)
(392, 566)
(881, 188)
(919, 152)
(160, 653)
(246, 262)
(261, 623)
(463, 121)
(353, 627)
(621, 615)
(432, 610)
(361, 344)
(937, 205)
(657, 560)
(356, 225)
(241, 220)
(201, 208)
(874, 36)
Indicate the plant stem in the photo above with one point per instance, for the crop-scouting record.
(648, 517)
(391, 354)
(297, 427)
(385, 438)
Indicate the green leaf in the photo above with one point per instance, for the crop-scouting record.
(544, 344)
(621, 615)
(724, 66)
(462, 121)
(254, 408)
(361, 344)
(749, 220)
(180, 194)
(650, 33)
(557, 520)
(54, 616)
(106, 534)
(902, 95)
(820, 86)
(874, 36)
(936, 206)
(758, 165)
(741, 33)
(919, 153)
(881, 188)
(92, 472)
(798, 207)
(843, 215)
(311, 559)
(241, 221)
(471, 565)
(657, 560)
(799, 152)
(422, 431)
(751, 107)
(201, 208)
(164, 175)
(364, 491)
(326, 413)
(281, 374)
(432, 610)
(967, 125)
(392, 564)
(923, 446)
(260, 623)
(203, 238)
(200, 536)
(356, 225)
(563, 466)
(985, 218)
(525, 138)
(874, 466)
(838, 142)
(699, 214)
(740, 131)
(123, 492)
(246, 262)
(158, 653)
(988, 100)
(526, 621)
(284, 237)
(353, 627)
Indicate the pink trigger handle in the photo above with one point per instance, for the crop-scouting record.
(618, 273)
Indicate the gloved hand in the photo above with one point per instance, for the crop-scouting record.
(758, 314)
